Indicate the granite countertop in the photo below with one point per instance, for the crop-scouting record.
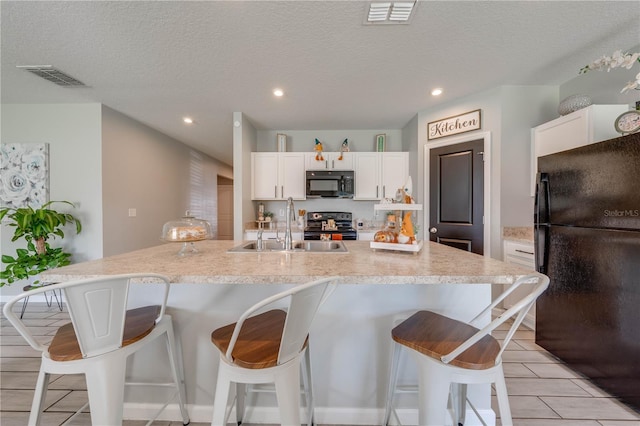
(523, 234)
(435, 264)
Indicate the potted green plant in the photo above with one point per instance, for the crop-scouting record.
(36, 226)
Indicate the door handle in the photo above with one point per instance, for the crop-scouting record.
(433, 230)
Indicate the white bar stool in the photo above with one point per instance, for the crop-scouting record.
(270, 347)
(450, 352)
(101, 336)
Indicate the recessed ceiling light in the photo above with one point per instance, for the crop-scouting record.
(188, 120)
(436, 92)
(278, 92)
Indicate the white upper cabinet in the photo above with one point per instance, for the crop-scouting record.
(331, 161)
(395, 171)
(583, 127)
(367, 176)
(378, 175)
(277, 175)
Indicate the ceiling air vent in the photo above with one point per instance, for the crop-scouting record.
(397, 12)
(53, 75)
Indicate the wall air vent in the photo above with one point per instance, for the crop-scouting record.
(397, 12)
(53, 75)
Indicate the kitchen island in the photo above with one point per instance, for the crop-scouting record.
(350, 343)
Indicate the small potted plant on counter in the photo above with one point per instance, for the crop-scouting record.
(36, 226)
(268, 217)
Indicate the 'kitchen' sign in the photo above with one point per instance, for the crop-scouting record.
(453, 125)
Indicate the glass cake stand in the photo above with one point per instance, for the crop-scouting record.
(186, 230)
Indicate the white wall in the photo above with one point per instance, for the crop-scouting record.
(73, 132)
(304, 140)
(604, 87)
(106, 163)
(523, 107)
(489, 104)
(508, 113)
(244, 142)
(158, 176)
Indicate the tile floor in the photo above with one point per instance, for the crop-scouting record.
(543, 392)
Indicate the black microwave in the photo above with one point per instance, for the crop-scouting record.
(330, 183)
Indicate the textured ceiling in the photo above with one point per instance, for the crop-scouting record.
(159, 61)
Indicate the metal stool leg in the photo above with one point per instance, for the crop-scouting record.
(58, 299)
(24, 306)
(49, 300)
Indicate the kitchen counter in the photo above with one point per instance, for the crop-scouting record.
(522, 234)
(350, 337)
(435, 264)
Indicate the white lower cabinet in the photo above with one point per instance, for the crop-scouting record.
(366, 235)
(520, 253)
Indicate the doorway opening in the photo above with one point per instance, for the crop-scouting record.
(225, 208)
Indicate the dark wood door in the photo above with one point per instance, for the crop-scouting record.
(456, 205)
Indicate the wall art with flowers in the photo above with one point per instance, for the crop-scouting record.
(24, 174)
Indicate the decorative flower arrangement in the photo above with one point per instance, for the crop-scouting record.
(617, 60)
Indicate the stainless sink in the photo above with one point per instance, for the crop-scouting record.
(298, 246)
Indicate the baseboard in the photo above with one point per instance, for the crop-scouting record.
(270, 415)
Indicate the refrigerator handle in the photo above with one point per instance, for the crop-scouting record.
(541, 210)
(541, 223)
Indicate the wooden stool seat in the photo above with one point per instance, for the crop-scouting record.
(258, 343)
(435, 335)
(138, 323)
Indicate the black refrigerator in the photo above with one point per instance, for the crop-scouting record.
(587, 236)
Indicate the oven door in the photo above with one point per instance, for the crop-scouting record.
(349, 234)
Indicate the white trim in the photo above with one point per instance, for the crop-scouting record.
(271, 415)
(486, 136)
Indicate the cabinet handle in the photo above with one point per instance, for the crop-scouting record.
(376, 191)
(523, 251)
(333, 164)
(326, 164)
(384, 191)
(282, 191)
(275, 191)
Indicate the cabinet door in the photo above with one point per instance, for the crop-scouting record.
(292, 176)
(395, 171)
(346, 163)
(312, 164)
(264, 176)
(367, 176)
(331, 161)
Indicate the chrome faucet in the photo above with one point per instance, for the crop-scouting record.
(259, 245)
(289, 216)
(288, 240)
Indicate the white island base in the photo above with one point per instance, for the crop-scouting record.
(350, 337)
